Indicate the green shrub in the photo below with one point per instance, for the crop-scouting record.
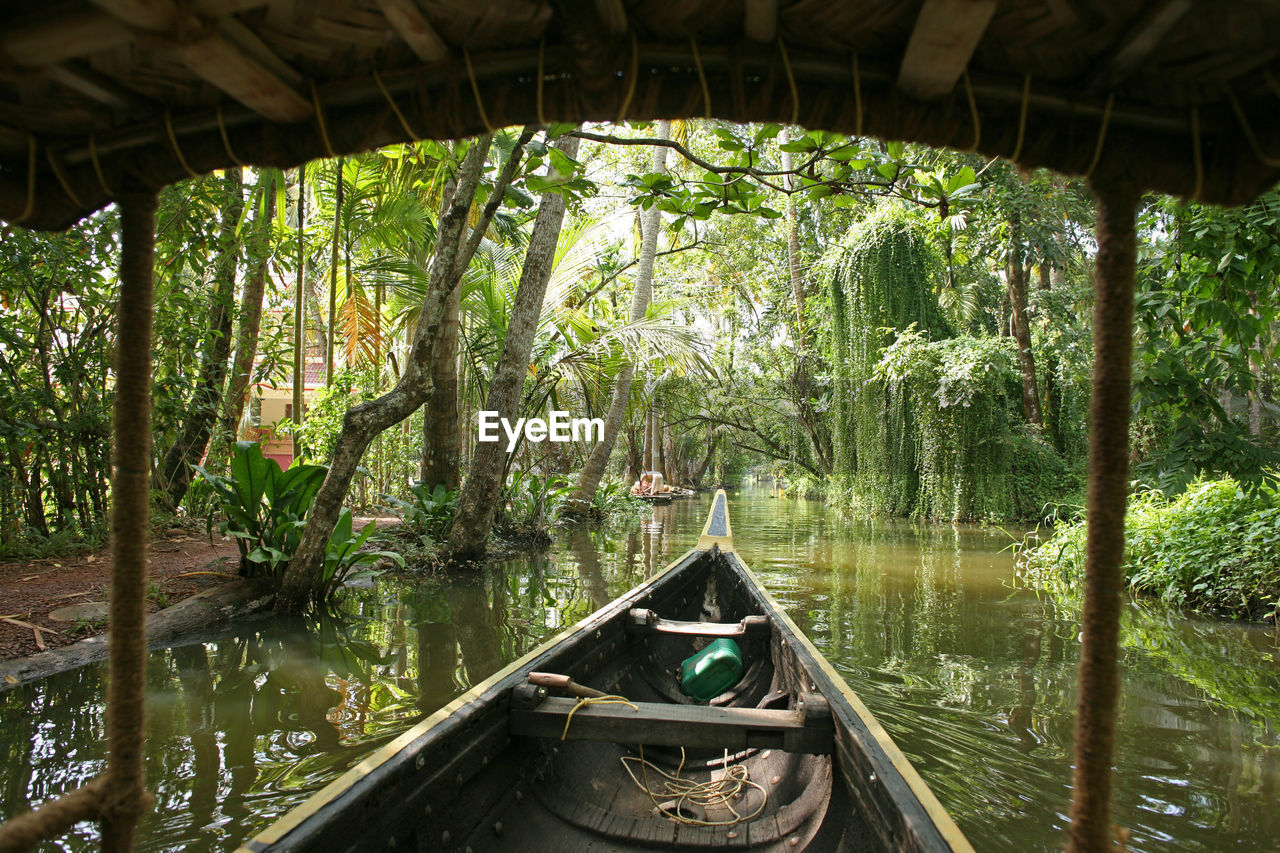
(264, 508)
(531, 502)
(343, 552)
(428, 509)
(1214, 547)
(614, 499)
(1039, 479)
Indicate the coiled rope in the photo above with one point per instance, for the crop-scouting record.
(733, 785)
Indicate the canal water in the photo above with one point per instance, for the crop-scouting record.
(973, 677)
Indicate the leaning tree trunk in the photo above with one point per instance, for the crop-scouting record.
(593, 471)
(474, 516)
(1017, 276)
(189, 447)
(365, 422)
(250, 318)
(1090, 828)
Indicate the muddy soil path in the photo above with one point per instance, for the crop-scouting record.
(183, 563)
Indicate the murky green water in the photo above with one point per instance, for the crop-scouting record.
(973, 678)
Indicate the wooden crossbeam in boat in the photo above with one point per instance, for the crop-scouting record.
(642, 621)
(806, 729)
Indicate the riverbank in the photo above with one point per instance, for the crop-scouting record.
(50, 603)
(1214, 548)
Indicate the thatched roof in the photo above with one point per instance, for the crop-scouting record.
(120, 93)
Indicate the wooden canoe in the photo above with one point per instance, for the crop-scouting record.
(490, 771)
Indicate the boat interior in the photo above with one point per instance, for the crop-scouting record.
(572, 775)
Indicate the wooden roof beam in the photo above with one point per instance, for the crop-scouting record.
(248, 72)
(49, 43)
(247, 80)
(258, 50)
(80, 78)
(613, 16)
(112, 24)
(412, 25)
(1140, 41)
(143, 14)
(941, 44)
(762, 20)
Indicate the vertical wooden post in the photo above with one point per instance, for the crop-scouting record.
(125, 796)
(1090, 828)
(299, 314)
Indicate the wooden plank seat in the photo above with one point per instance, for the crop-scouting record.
(642, 621)
(806, 729)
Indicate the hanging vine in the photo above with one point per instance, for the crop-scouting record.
(879, 279)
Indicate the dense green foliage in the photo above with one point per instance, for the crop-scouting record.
(838, 312)
(960, 395)
(55, 356)
(880, 280)
(1214, 547)
(1207, 309)
(264, 509)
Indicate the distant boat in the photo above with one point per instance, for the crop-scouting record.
(533, 759)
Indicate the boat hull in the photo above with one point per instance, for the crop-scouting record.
(487, 772)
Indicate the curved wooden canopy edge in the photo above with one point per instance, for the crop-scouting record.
(1070, 132)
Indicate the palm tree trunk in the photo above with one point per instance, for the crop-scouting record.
(441, 425)
(706, 462)
(1090, 828)
(193, 439)
(1051, 405)
(660, 442)
(333, 273)
(793, 238)
(366, 421)
(648, 440)
(650, 219)
(474, 516)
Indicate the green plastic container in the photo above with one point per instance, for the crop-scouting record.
(712, 671)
